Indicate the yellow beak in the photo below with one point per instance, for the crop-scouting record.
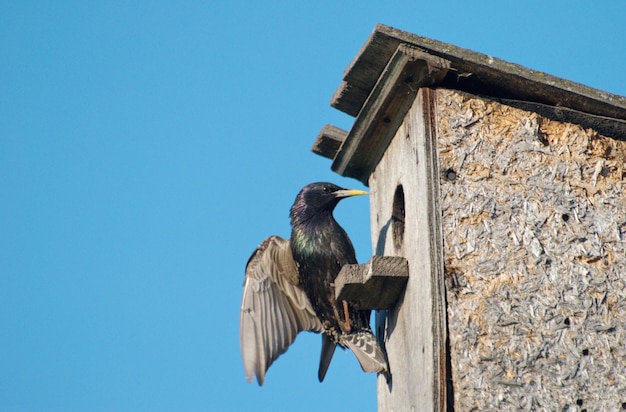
(350, 192)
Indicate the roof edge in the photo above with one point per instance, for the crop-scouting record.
(472, 72)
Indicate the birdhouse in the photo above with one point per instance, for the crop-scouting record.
(500, 191)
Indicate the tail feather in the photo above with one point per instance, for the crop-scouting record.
(367, 351)
(328, 349)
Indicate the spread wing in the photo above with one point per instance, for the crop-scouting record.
(273, 309)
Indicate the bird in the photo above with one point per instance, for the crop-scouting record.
(289, 288)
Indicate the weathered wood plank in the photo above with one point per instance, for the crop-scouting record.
(377, 284)
(328, 141)
(361, 75)
(604, 125)
(405, 220)
(408, 70)
(481, 74)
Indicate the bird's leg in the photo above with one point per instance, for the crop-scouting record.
(346, 316)
(344, 324)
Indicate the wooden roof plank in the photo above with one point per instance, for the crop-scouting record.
(383, 111)
(362, 73)
(328, 141)
(473, 72)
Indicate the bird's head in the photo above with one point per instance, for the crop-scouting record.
(320, 197)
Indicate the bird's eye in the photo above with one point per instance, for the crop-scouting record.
(326, 189)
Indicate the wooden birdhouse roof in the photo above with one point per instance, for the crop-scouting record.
(381, 82)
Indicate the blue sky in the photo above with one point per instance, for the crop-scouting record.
(147, 148)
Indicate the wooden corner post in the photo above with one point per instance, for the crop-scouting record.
(406, 222)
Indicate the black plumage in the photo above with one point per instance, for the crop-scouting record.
(289, 288)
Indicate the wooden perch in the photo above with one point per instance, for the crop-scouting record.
(376, 284)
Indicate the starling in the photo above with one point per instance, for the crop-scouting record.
(289, 288)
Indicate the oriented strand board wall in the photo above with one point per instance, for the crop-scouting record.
(534, 230)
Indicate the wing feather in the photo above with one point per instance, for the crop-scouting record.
(274, 309)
